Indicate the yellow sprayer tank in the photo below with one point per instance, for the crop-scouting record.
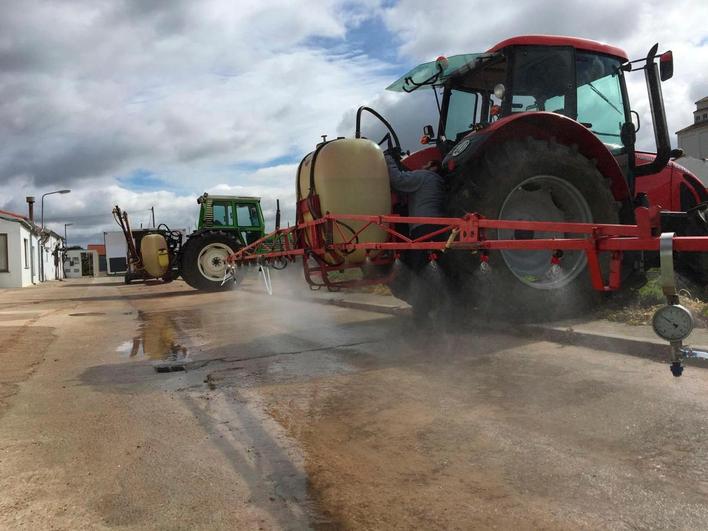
(350, 177)
(154, 253)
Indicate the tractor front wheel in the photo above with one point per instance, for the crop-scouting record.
(204, 260)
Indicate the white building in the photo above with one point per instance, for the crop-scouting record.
(116, 252)
(80, 263)
(694, 138)
(28, 254)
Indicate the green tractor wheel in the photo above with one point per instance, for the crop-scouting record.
(204, 260)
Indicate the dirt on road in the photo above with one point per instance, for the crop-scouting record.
(296, 415)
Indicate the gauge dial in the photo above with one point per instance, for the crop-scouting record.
(673, 322)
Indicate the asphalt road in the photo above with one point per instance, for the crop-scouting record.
(293, 414)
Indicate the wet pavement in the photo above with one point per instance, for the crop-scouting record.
(293, 415)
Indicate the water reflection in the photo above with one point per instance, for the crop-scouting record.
(159, 339)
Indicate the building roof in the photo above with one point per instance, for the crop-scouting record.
(12, 216)
(98, 247)
(698, 125)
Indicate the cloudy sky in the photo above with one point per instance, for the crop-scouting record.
(151, 102)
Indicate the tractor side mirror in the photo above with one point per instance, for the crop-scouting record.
(666, 65)
(428, 134)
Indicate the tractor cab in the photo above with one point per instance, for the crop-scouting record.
(574, 79)
(239, 215)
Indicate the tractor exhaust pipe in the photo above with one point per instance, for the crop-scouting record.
(277, 214)
(654, 77)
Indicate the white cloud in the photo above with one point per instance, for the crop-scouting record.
(199, 92)
(459, 27)
(190, 91)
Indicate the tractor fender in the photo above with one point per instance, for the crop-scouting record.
(206, 230)
(543, 126)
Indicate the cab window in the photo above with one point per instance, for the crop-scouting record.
(247, 216)
(462, 113)
(600, 105)
(542, 80)
(223, 214)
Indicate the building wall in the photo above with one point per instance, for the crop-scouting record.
(24, 266)
(116, 252)
(52, 271)
(19, 272)
(694, 142)
(72, 263)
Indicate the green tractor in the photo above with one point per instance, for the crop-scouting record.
(226, 223)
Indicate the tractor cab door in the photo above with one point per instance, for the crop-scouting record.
(249, 221)
(222, 214)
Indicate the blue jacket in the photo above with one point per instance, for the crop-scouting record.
(425, 190)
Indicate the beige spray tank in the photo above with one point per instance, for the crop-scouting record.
(154, 254)
(350, 176)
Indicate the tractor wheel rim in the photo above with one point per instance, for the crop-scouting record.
(212, 261)
(544, 198)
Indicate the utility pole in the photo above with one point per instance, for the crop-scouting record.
(65, 238)
(152, 209)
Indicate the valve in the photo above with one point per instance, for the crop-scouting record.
(484, 266)
(555, 270)
(433, 261)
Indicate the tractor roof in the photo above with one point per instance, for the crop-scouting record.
(558, 40)
(458, 64)
(233, 198)
(210, 197)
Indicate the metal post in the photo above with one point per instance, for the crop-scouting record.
(41, 247)
(66, 240)
(668, 286)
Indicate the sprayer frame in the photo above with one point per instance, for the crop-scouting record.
(315, 242)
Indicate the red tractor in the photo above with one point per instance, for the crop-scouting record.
(540, 128)
(537, 140)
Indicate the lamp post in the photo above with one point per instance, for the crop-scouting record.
(65, 238)
(50, 193)
(41, 252)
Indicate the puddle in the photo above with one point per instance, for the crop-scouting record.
(158, 339)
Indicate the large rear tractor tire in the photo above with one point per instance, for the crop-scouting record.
(204, 260)
(530, 180)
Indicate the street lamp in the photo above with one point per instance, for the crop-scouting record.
(41, 254)
(65, 238)
(50, 193)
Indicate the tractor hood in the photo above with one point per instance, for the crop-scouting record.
(437, 72)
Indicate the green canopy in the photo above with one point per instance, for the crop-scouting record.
(421, 73)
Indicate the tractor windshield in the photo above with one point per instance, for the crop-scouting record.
(544, 79)
(599, 96)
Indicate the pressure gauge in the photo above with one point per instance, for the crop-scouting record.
(673, 322)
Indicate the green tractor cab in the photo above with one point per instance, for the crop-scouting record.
(226, 224)
(241, 215)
